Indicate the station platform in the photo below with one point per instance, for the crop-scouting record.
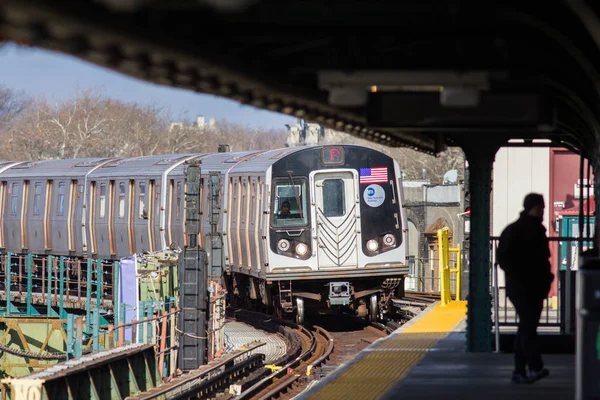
(426, 359)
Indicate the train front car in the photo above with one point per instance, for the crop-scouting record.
(336, 231)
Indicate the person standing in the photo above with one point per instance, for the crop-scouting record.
(523, 253)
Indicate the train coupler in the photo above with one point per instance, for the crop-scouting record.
(339, 293)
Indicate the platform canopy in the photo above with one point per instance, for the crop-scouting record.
(414, 73)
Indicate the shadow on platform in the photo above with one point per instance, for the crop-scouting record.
(447, 371)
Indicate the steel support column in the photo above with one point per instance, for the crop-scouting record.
(479, 322)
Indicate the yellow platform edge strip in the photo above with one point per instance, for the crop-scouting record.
(390, 360)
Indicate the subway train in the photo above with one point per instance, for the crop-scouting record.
(302, 227)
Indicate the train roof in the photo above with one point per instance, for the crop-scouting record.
(140, 166)
(50, 168)
(251, 161)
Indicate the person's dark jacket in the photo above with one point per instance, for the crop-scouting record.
(523, 253)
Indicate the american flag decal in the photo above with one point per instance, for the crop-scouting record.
(373, 175)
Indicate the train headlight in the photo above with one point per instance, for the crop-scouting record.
(301, 249)
(372, 245)
(283, 245)
(389, 239)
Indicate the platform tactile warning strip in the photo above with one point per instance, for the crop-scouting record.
(388, 361)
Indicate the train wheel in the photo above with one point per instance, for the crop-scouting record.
(373, 308)
(299, 311)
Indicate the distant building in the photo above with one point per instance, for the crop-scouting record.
(306, 134)
(552, 172)
(429, 208)
(200, 123)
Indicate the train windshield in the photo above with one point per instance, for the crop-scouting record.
(290, 202)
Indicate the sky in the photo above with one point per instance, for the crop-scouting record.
(56, 75)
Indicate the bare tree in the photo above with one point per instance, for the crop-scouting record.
(69, 129)
(187, 137)
(90, 124)
(12, 104)
(139, 131)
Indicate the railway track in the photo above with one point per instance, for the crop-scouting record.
(314, 352)
(332, 341)
(290, 379)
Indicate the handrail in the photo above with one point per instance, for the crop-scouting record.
(444, 266)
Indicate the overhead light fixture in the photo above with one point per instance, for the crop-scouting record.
(460, 97)
(457, 89)
(348, 96)
(408, 79)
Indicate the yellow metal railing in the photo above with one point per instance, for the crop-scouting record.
(445, 270)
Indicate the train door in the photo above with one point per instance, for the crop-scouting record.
(121, 218)
(35, 235)
(140, 218)
(154, 206)
(101, 215)
(48, 225)
(75, 207)
(336, 214)
(132, 217)
(111, 217)
(12, 216)
(24, 215)
(58, 213)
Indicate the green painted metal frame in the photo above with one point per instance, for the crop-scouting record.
(32, 334)
(30, 310)
(119, 375)
(88, 311)
(53, 284)
(479, 309)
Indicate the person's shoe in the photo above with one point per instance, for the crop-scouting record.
(520, 377)
(539, 374)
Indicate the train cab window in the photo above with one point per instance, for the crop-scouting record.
(334, 202)
(121, 199)
(37, 198)
(102, 200)
(14, 202)
(143, 213)
(290, 203)
(60, 205)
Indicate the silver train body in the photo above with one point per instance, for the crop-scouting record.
(341, 245)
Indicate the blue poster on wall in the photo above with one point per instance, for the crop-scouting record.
(128, 291)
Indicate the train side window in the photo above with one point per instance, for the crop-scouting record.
(102, 200)
(14, 202)
(178, 202)
(37, 198)
(143, 213)
(334, 201)
(121, 199)
(60, 205)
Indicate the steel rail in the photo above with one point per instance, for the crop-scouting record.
(265, 382)
(210, 374)
(286, 383)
